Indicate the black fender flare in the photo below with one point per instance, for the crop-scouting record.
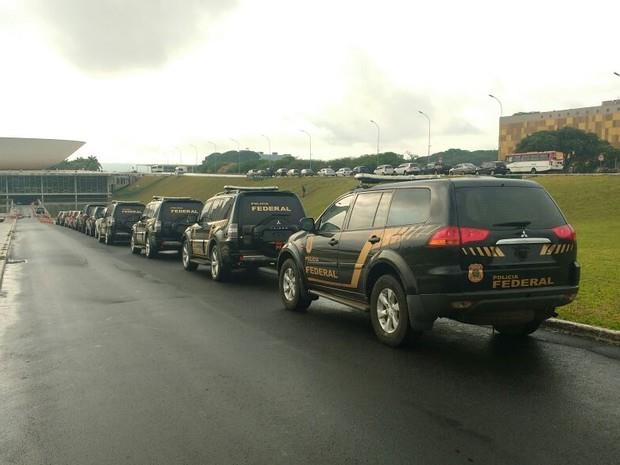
(292, 252)
(394, 260)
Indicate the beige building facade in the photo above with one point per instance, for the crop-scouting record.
(603, 120)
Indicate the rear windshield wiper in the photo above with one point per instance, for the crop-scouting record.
(516, 224)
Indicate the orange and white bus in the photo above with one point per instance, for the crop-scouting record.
(535, 162)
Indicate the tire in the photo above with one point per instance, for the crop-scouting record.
(219, 272)
(492, 173)
(516, 331)
(389, 313)
(149, 250)
(533, 171)
(99, 238)
(186, 257)
(292, 292)
(132, 245)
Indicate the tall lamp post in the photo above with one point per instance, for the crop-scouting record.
(180, 155)
(269, 150)
(499, 131)
(195, 154)
(310, 142)
(214, 151)
(429, 131)
(617, 74)
(378, 135)
(238, 155)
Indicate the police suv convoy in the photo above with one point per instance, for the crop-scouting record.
(480, 250)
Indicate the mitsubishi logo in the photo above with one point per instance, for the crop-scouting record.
(278, 222)
(524, 234)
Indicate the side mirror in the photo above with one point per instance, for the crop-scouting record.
(307, 224)
(143, 218)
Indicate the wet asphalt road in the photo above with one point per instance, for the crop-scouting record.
(109, 358)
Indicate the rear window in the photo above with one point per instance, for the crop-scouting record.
(490, 207)
(129, 212)
(256, 208)
(179, 211)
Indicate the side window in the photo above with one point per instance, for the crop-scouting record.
(409, 206)
(364, 209)
(224, 208)
(333, 218)
(382, 210)
(206, 211)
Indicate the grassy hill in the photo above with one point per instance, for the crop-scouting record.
(590, 204)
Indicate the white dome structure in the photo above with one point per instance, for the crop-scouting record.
(34, 154)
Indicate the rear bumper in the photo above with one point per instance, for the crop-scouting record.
(169, 245)
(489, 307)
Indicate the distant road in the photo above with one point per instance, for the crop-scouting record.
(110, 358)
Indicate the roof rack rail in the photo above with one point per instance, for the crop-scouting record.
(250, 188)
(369, 179)
(162, 197)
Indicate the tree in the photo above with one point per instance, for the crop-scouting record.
(581, 148)
(89, 163)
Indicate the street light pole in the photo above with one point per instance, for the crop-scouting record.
(310, 141)
(269, 150)
(238, 155)
(499, 130)
(617, 74)
(195, 153)
(501, 107)
(180, 155)
(378, 135)
(429, 131)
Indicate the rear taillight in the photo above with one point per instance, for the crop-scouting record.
(445, 237)
(233, 231)
(565, 232)
(453, 235)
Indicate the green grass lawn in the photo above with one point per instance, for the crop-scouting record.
(591, 204)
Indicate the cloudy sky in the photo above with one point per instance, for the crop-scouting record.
(153, 80)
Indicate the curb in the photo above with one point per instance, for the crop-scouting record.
(596, 333)
(5, 249)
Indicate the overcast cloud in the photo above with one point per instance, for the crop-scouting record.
(119, 35)
(143, 81)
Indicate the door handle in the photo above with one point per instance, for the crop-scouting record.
(333, 241)
(374, 239)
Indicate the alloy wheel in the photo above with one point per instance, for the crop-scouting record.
(215, 263)
(289, 283)
(388, 311)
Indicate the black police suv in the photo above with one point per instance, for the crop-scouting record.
(118, 220)
(479, 250)
(242, 227)
(162, 225)
(493, 167)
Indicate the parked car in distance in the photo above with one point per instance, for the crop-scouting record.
(241, 227)
(327, 172)
(344, 172)
(385, 170)
(464, 168)
(85, 214)
(307, 172)
(493, 167)
(478, 250)
(59, 218)
(436, 168)
(252, 173)
(360, 170)
(97, 213)
(98, 223)
(120, 216)
(407, 169)
(281, 171)
(162, 224)
(293, 172)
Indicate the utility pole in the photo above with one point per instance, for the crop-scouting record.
(378, 135)
(429, 131)
(238, 155)
(310, 142)
(499, 130)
